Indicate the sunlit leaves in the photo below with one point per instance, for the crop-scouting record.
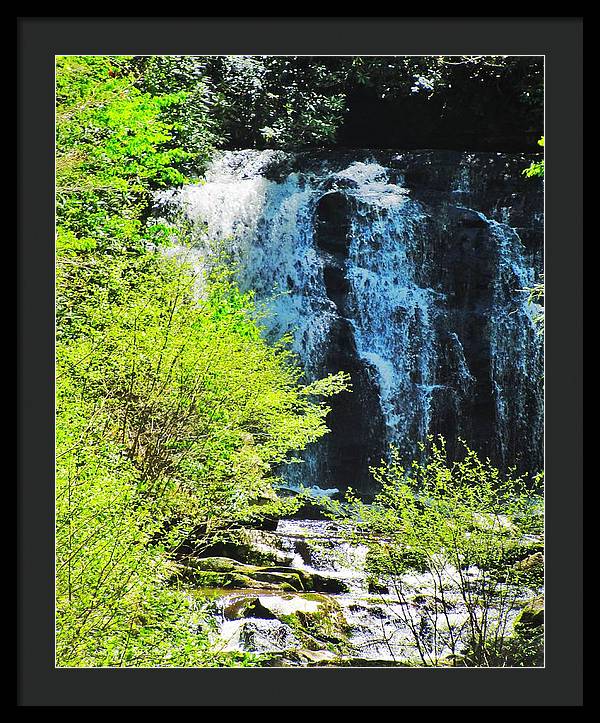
(171, 410)
(536, 168)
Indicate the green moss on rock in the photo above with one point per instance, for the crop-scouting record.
(324, 624)
(532, 615)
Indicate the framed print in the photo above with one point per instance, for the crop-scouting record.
(299, 361)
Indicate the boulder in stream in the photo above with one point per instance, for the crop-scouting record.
(317, 621)
(224, 572)
(250, 546)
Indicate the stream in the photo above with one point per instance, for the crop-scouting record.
(345, 619)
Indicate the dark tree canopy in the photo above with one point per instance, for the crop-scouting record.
(492, 103)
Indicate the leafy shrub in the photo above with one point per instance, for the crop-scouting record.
(171, 409)
(463, 526)
(536, 168)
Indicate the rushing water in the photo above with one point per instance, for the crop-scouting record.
(381, 626)
(405, 269)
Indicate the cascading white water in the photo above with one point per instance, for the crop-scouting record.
(381, 624)
(267, 228)
(391, 309)
(432, 291)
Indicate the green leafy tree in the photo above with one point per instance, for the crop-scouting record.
(195, 124)
(278, 101)
(172, 411)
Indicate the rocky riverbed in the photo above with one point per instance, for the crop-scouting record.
(299, 595)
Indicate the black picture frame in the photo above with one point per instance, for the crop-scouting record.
(559, 683)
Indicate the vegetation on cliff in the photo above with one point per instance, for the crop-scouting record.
(536, 292)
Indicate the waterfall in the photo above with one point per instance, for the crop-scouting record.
(405, 269)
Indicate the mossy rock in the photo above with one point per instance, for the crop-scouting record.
(288, 580)
(213, 564)
(228, 573)
(333, 585)
(230, 581)
(316, 620)
(324, 623)
(247, 607)
(315, 582)
(532, 615)
(316, 657)
(251, 547)
(223, 572)
(532, 563)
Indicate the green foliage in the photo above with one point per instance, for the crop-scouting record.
(536, 292)
(536, 168)
(462, 525)
(296, 102)
(455, 77)
(172, 410)
(112, 150)
(302, 101)
(536, 296)
(196, 128)
(277, 101)
(112, 607)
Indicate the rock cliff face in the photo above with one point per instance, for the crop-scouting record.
(405, 269)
